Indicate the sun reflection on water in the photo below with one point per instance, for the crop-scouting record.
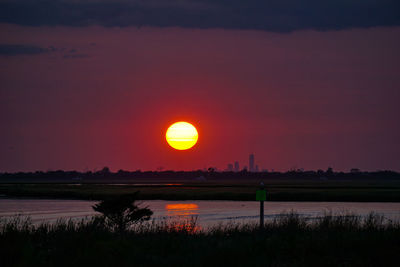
(182, 209)
(184, 216)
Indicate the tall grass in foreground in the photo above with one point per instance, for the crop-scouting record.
(287, 240)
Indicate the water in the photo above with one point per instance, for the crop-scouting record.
(209, 213)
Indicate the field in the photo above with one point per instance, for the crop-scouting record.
(287, 190)
(290, 240)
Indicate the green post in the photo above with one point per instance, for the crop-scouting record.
(261, 195)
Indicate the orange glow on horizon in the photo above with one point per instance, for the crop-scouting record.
(182, 135)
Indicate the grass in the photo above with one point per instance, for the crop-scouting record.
(285, 191)
(289, 240)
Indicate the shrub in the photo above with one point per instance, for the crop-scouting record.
(121, 212)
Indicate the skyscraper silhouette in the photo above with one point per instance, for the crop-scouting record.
(251, 163)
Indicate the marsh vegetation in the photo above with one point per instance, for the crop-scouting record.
(288, 240)
(291, 190)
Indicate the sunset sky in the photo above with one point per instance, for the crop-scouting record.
(88, 84)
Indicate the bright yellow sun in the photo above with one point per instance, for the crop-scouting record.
(182, 135)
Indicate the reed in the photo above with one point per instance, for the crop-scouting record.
(287, 240)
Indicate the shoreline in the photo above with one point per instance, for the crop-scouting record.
(199, 199)
(295, 191)
(44, 197)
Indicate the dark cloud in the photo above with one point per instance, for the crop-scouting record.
(16, 49)
(275, 15)
(19, 49)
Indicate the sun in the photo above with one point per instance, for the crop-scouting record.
(182, 135)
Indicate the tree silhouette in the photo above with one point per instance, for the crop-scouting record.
(121, 212)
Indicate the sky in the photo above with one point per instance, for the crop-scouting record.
(310, 84)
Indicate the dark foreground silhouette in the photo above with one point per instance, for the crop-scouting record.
(290, 240)
(120, 212)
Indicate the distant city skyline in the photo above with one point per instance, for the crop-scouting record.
(253, 167)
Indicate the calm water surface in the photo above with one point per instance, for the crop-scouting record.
(208, 212)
